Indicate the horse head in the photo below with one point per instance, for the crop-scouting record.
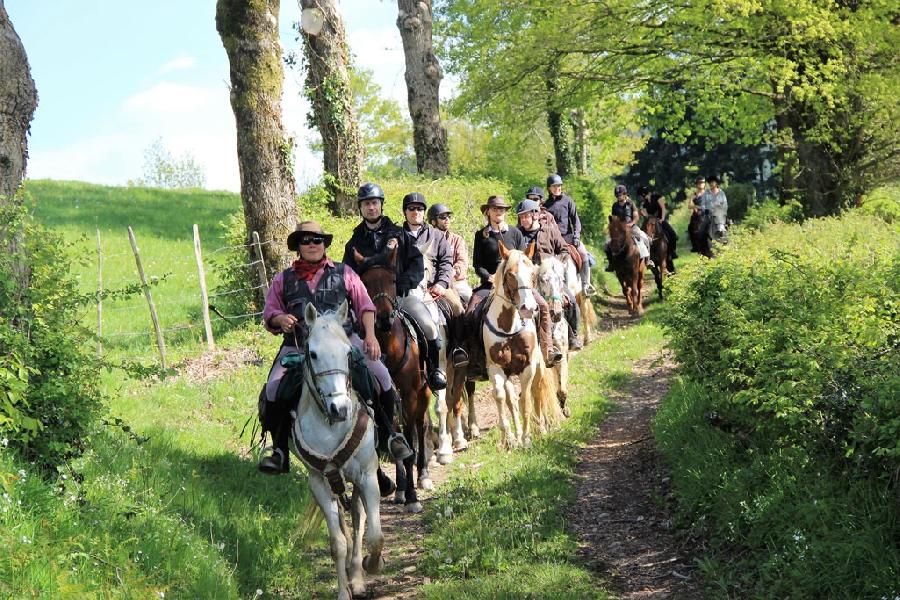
(651, 227)
(619, 236)
(379, 274)
(717, 223)
(328, 362)
(552, 284)
(515, 277)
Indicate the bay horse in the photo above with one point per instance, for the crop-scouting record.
(551, 284)
(627, 263)
(659, 252)
(401, 357)
(330, 421)
(511, 348)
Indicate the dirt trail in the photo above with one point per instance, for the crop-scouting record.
(623, 515)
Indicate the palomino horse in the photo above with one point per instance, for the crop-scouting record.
(552, 284)
(659, 252)
(401, 357)
(585, 306)
(511, 348)
(627, 263)
(330, 422)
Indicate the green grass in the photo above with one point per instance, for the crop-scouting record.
(498, 528)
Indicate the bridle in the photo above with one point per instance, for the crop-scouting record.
(311, 379)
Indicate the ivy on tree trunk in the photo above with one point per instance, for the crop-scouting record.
(249, 32)
(329, 92)
(423, 80)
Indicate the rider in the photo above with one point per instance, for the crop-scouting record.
(439, 216)
(656, 207)
(696, 201)
(486, 258)
(548, 242)
(714, 197)
(562, 207)
(624, 209)
(372, 237)
(315, 278)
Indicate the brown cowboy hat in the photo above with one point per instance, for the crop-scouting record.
(293, 240)
(494, 202)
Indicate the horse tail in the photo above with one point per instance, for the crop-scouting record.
(311, 521)
(588, 315)
(543, 392)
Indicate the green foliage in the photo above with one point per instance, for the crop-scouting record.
(741, 196)
(770, 211)
(797, 327)
(779, 522)
(383, 126)
(883, 202)
(162, 170)
(49, 394)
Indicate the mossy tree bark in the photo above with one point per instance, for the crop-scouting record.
(18, 100)
(249, 32)
(329, 92)
(423, 81)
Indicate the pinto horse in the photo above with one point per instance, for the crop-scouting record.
(511, 347)
(659, 252)
(627, 263)
(401, 357)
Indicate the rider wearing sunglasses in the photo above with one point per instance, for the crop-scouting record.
(314, 278)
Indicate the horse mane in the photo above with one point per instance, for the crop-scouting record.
(329, 322)
(618, 232)
(500, 273)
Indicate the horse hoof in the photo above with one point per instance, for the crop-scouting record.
(373, 569)
(434, 460)
(460, 445)
(426, 484)
(445, 459)
(414, 508)
(358, 591)
(474, 432)
(400, 497)
(526, 443)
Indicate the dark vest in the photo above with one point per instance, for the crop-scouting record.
(624, 211)
(329, 295)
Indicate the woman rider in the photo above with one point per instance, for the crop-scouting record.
(656, 207)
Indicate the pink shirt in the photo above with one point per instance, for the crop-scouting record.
(359, 297)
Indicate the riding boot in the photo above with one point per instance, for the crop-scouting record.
(437, 379)
(278, 423)
(573, 315)
(589, 290)
(551, 353)
(388, 437)
(609, 267)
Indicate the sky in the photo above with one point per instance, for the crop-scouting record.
(114, 75)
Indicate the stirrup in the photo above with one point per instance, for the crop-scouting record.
(271, 464)
(460, 358)
(590, 290)
(399, 447)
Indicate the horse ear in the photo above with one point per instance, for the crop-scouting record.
(504, 252)
(342, 311)
(310, 314)
(392, 257)
(529, 251)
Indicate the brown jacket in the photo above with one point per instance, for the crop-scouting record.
(549, 241)
(459, 255)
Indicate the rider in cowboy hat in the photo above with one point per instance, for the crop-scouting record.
(314, 278)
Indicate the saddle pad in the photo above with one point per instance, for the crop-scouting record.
(576, 256)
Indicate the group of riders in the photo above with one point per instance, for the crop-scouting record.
(429, 260)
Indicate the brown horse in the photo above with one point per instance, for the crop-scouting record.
(659, 252)
(401, 356)
(627, 263)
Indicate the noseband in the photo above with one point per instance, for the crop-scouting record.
(311, 378)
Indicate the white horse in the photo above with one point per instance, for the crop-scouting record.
(330, 421)
(551, 284)
(511, 348)
(573, 282)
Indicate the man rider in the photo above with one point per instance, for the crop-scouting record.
(377, 234)
(548, 242)
(314, 278)
(439, 216)
(562, 207)
(625, 210)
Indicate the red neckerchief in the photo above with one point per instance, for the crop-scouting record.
(306, 270)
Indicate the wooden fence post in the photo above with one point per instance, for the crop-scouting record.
(99, 296)
(160, 343)
(260, 265)
(204, 298)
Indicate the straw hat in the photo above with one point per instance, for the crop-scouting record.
(293, 240)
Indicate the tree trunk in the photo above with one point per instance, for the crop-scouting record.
(249, 32)
(18, 99)
(579, 123)
(423, 80)
(329, 92)
(559, 129)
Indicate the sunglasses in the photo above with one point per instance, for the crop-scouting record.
(443, 217)
(415, 208)
(312, 239)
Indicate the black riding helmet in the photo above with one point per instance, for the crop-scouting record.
(437, 210)
(369, 191)
(554, 179)
(414, 198)
(535, 190)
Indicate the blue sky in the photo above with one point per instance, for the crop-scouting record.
(114, 75)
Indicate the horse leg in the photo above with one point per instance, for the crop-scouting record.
(638, 292)
(474, 430)
(338, 541)
(499, 384)
(527, 409)
(512, 402)
(400, 476)
(454, 407)
(412, 500)
(354, 554)
(371, 500)
(442, 410)
(562, 390)
(424, 481)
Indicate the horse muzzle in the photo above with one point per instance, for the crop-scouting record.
(337, 413)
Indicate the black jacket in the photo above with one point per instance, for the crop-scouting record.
(371, 242)
(439, 253)
(486, 250)
(562, 208)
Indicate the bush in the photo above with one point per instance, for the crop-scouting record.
(741, 196)
(49, 376)
(883, 203)
(798, 328)
(759, 216)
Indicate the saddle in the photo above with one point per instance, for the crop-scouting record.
(576, 256)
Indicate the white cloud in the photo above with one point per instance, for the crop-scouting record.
(178, 63)
(168, 97)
